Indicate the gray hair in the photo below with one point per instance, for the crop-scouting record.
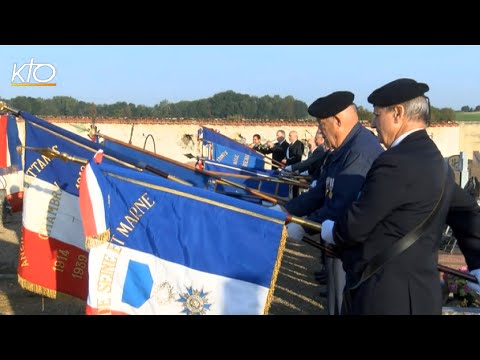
(418, 108)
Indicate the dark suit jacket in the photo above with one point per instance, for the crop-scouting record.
(400, 191)
(295, 152)
(278, 152)
(313, 163)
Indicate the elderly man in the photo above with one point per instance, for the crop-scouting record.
(295, 149)
(354, 150)
(390, 236)
(279, 149)
(315, 159)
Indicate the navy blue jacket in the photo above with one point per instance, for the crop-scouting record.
(313, 163)
(400, 191)
(341, 180)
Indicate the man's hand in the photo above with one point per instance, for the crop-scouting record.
(313, 184)
(473, 286)
(295, 232)
(327, 231)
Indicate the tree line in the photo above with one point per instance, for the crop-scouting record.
(224, 105)
(467, 108)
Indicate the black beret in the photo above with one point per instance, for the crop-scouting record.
(397, 92)
(331, 105)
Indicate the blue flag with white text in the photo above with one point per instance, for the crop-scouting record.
(166, 248)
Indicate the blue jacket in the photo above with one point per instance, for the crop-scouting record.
(341, 181)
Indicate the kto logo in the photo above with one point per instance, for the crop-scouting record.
(42, 74)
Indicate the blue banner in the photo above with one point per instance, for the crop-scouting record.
(175, 249)
(228, 151)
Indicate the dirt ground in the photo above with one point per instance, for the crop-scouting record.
(296, 291)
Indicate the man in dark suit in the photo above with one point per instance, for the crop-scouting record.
(294, 155)
(295, 149)
(279, 149)
(391, 270)
(354, 150)
(315, 159)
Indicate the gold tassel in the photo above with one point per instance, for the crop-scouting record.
(40, 290)
(97, 240)
(276, 269)
(37, 289)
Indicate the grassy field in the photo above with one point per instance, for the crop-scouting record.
(467, 116)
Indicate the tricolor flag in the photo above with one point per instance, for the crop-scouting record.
(11, 173)
(160, 247)
(53, 257)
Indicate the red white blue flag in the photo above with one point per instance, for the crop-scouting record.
(160, 247)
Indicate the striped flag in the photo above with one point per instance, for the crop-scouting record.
(11, 172)
(53, 254)
(160, 247)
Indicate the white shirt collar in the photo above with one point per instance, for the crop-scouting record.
(403, 136)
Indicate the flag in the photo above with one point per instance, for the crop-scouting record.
(169, 166)
(11, 171)
(198, 178)
(53, 257)
(160, 247)
(230, 152)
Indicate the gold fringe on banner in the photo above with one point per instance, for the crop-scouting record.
(276, 269)
(37, 289)
(97, 240)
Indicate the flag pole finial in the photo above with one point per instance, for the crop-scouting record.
(4, 106)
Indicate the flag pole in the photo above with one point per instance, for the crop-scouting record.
(270, 198)
(56, 153)
(260, 178)
(4, 106)
(66, 157)
(331, 252)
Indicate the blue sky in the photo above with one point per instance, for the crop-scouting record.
(149, 74)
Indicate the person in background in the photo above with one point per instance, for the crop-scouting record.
(294, 155)
(279, 149)
(316, 156)
(257, 144)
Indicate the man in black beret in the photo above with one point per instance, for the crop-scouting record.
(389, 237)
(354, 150)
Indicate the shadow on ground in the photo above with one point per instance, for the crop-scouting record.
(296, 291)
